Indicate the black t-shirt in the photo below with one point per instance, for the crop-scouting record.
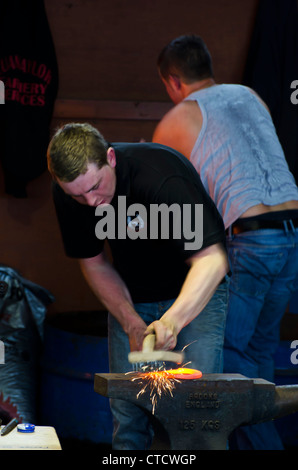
(153, 265)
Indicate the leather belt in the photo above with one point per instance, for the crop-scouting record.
(242, 225)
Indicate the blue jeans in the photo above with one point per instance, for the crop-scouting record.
(204, 335)
(264, 266)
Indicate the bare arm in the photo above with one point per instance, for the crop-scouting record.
(113, 293)
(208, 267)
(180, 128)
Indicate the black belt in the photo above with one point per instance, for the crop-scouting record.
(242, 225)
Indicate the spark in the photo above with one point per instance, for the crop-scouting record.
(157, 383)
(186, 346)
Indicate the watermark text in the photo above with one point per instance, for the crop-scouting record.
(159, 222)
(294, 94)
(2, 352)
(2, 93)
(294, 355)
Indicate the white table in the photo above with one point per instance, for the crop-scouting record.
(43, 438)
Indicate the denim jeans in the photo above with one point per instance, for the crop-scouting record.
(204, 337)
(264, 266)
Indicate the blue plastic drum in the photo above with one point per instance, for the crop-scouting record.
(70, 360)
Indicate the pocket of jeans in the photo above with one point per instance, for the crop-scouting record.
(252, 270)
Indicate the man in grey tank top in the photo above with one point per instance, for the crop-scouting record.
(226, 131)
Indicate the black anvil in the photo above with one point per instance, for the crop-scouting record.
(203, 412)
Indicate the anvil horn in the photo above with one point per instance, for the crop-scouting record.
(286, 400)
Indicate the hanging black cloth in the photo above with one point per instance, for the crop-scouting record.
(272, 66)
(29, 71)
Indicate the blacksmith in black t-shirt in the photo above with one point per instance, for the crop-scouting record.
(166, 239)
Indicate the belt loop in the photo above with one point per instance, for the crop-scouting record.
(292, 225)
(230, 231)
(285, 222)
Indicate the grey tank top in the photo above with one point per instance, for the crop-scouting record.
(237, 152)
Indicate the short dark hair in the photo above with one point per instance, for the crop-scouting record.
(187, 57)
(72, 147)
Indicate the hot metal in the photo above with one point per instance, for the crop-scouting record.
(162, 381)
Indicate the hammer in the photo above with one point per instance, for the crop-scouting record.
(152, 359)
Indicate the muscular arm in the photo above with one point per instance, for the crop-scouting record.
(112, 292)
(208, 267)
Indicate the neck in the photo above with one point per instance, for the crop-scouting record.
(200, 85)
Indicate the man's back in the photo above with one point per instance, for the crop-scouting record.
(234, 149)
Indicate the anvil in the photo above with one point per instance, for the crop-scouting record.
(203, 412)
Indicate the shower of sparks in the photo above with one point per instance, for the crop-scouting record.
(157, 383)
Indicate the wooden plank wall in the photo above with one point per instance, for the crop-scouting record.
(106, 51)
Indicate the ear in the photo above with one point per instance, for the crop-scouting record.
(175, 82)
(111, 157)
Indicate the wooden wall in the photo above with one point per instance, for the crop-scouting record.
(106, 51)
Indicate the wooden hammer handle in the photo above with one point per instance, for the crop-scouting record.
(149, 343)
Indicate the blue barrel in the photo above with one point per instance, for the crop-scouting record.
(75, 348)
